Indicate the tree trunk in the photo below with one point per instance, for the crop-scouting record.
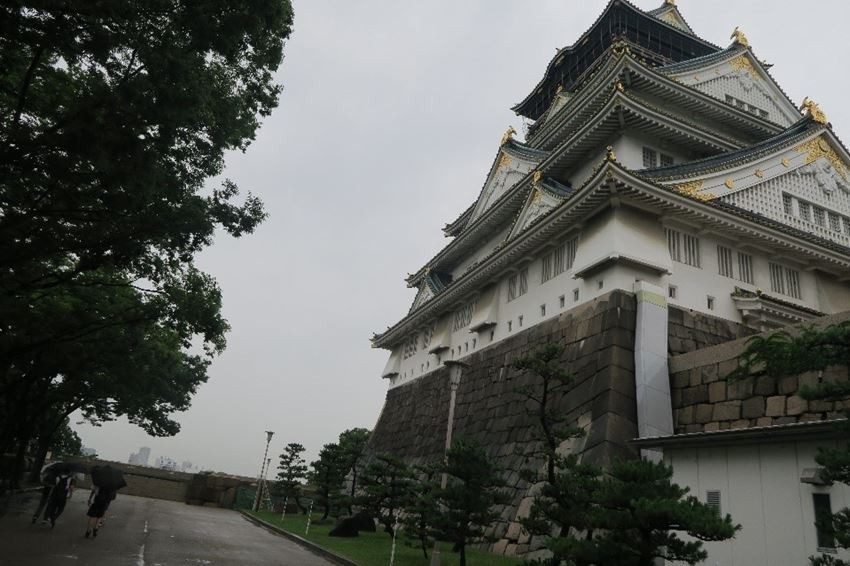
(463, 555)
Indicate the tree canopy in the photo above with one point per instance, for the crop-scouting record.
(113, 117)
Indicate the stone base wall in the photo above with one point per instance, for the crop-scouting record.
(599, 339)
(704, 401)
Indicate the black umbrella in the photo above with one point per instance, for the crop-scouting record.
(107, 478)
(50, 472)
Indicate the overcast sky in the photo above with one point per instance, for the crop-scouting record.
(390, 118)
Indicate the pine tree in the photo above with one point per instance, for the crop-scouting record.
(468, 499)
(811, 349)
(293, 473)
(327, 475)
(386, 488)
(561, 508)
(421, 513)
(639, 513)
(353, 442)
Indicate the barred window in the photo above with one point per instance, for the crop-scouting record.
(724, 261)
(785, 281)
(820, 215)
(463, 316)
(426, 337)
(674, 244)
(411, 346)
(666, 160)
(650, 158)
(787, 203)
(805, 210)
(690, 250)
(834, 222)
(745, 268)
(546, 268)
(846, 225)
(512, 287)
(565, 256)
(523, 281)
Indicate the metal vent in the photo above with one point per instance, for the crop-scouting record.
(712, 499)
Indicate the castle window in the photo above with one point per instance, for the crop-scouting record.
(519, 320)
(650, 158)
(575, 295)
(745, 268)
(691, 250)
(542, 310)
(709, 302)
(846, 225)
(672, 291)
(523, 281)
(562, 301)
(834, 222)
(805, 210)
(785, 281)
(724, 261)
(426, 337)
(463, 317)
(674, 244)
(512, 287)
(823, 513)
(510, 325)
(546, 268)
(787, 203)
(410, 346)
(666, 160)
(819, 215)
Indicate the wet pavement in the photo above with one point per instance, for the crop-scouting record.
(143, 532)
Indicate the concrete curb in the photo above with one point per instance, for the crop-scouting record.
(311, 546)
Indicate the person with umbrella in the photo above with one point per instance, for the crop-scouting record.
(106, 482)
(58, 481)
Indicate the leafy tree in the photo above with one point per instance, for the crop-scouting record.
(327, 475)
(112, 118)
(422, 511)
(353, 442)
(811, 349)
(561, 509)
(293, 473)
(640, 511)
(386, 488)
(66, 442)
(468, 499)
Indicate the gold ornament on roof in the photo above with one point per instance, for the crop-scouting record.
(536, 177)
(819, 148)
(759, 173)
(730, 183)
(739, 37)
(503, 161)
(609, 153)
(670, 2)
(509, 135)
(812, 109)
(559, 90)
(743, 63)
(620, 86)
(692, 189)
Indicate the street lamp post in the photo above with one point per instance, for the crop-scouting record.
(262, 476)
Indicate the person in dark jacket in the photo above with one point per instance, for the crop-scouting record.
(100, 500)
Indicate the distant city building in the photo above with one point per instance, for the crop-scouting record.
(166, 463)
(141, 457)
(186, 466)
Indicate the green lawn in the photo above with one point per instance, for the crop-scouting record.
(373, 549)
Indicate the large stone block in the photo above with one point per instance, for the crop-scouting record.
(753, 407)
(727, 411)
(775, 406)
(716, 391)
(795, 405)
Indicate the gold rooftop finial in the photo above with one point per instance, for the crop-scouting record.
(670, 2)
(739, 37)
(609, 153)
(509, 135)
(536, 177)
(812, 109)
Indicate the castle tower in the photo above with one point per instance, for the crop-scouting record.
(667, 197)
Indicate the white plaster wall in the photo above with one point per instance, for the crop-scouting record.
(760, 488)
(645, 234)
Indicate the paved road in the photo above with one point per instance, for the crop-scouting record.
(144, 532)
